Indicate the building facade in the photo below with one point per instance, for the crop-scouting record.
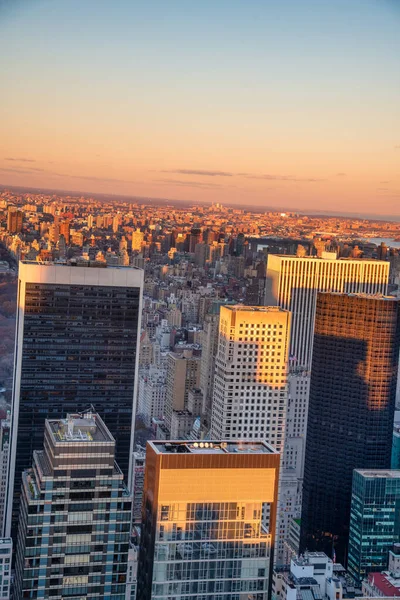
(74, 528)
(183, 374)
(76, 347)
(203, 536)
(5, 567)
(374, 521)
(293, 282)
(351, 409)
(4, 457)
(251, 387)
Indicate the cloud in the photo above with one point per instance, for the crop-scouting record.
(340, 174)
(201, 172)
(11, 158)
(33, 170)
(198, 184)
(267, 177)
(16, 170)
(397, 147)
(289, 178)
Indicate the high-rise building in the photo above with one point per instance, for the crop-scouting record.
(209, 344)
(396, 442)
(250, 387)
(137, 240)
(5, 567)
(374, 521)
(293, 282)
(74, 526)
(14, 219)
(183, 374)
(351, 409)
(194, 238)
(76, 346)
(65, 228)
(203, 535)
(4, 457)
(138, 468)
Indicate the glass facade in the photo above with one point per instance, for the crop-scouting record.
(374, 521)
(209, 519)
(74, 528)
(210, 550)
(76, 349)
(351, 410)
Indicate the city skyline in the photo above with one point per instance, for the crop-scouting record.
(258, 103)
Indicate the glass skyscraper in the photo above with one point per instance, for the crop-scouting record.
(203, 532)
(76, 348)
(74, 526)
(351, 409)
(374, 521)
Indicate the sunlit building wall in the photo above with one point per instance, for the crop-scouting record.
(203, 535)
(251, 387)
(293, 283)
(351, 409)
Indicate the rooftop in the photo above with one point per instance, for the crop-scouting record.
(73, 262)
(77, 428)
(379, 474)
(253, 309)
(212, 447)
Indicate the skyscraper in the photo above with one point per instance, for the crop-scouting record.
(250, 387)
(78, 548)
(183, 374)
(4, 457)
(137, 240)
(293, 283)
(14, 219)
(202, 532)
(374, 521)
(76, 346)
(351, 409)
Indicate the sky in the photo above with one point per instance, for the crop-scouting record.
(293, 104)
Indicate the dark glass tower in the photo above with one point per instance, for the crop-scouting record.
(76, 347)
(351, 409)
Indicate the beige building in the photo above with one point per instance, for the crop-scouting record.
(293, 283)
(250, 387)
(183, 374)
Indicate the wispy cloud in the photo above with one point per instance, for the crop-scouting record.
(198, 184)
(340, 174)
(201, 172)
(14, 159)
(267, 177)
(289, 178)
(397, 147)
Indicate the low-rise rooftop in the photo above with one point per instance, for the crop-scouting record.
(212, 447)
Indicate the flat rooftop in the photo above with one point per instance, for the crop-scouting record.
(77, 428)
(380, 473)
(90, 264)
(212, 447)
(253, 309)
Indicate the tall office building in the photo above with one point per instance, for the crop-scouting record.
(137, 240)
(203, 536)
(76, 346)
(5, 568)
(138, 467)
(74, 526)
(4, 457)
(250, 387)
(183, 374)
(14, 219)
(351, 409)
(293, 282)
(374, 521)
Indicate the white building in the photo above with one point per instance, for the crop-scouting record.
(250, 388)
(152, 393)
(293, 282)
(4, 454)
(5, 567)
(309, 577)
